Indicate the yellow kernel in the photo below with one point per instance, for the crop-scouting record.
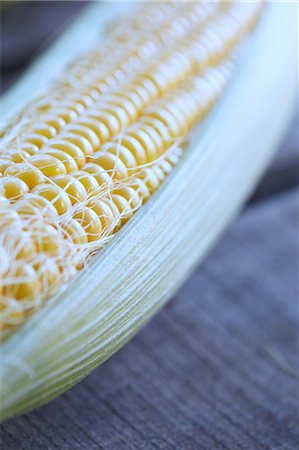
(99, 128)
(147, 143)
(48, 272)
(119, 113)
(101, 176)
(159, 127)
(29, 175)
(143, 94)
(108, 119)
(83, 99)
(17, 240)
(76, 108)
(46, 239)
(155, 83)
(48, 165)
(122, 153)
(35, 139)
(132, 144)
(17, 156)
(105, 210)
(150, 179)
(45, 130)
(80, 141)
(126, 104)
(74, 231)
(124, 207)
(55, 121)
(160, 143)
(84, 133)
(67, 115)
(89, 182)
(133, 98)
(141, 189)
(71, 149)
(74, 189)
(129, 194)
(179, 116)
(169, 121)
(16, 314)
(112, 164)
(24, 247)
(29, 148)
(66, 159)
(90, 222)
(158, 171)
(27, 210)
(4, 163)
(35, 204)
(26, 284)
(12, 187)
(55, 195)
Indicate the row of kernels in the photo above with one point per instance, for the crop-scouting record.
(78, 104)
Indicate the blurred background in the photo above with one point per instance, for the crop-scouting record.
(217, 368)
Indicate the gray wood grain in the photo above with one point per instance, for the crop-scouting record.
(216, 369)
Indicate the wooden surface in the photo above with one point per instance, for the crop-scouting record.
(217, 368)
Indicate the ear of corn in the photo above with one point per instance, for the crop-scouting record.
(82, 158)
(83, 167)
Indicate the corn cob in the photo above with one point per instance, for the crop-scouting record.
(98, 74)
(73, 178)
(126, 283)
(110, 100)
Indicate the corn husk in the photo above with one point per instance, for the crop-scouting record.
(156, 251)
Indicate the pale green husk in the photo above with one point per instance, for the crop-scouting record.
(155, 252)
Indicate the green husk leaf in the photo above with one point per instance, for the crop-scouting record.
(154, 253)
